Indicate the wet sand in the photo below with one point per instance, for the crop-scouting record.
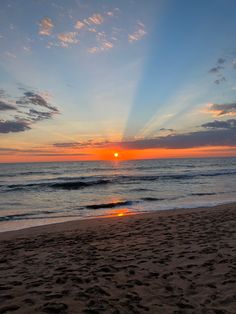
(181, 261)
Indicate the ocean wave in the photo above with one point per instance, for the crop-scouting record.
(64, 185)
(203, 194)
(30, 215)
(34, 216)
(152, 199)
(26, 173)
(110, 205)
(75, 183)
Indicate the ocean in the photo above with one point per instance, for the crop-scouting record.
(33, 194)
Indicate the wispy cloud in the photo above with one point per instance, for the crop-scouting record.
(216, 69)
(23, 112)
(68, 38)
(96, 19)
(84, 144)
(46, 26)
(38, 152)
(97, 32)
(220, 80)
(35, 99)
(164, 129)
(220, 65)
(110, 13)
(35, 115)
(55, 154)
(10, 54)
(66, 145)
(79, 24)
(93, 50)
(103, 43)
(221, 60)
(234, 64)
(138, 34)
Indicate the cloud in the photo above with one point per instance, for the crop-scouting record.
(35, 99)
(79, 24)
(216, 69)
(5, 106)
(66, 145)
(68, 38)
(106, 45)
(221, 60)
(219, 66)
(234, 64)
(220, 80)
(93, 50)
(215, 133)
(96, 19)
(164, 129)
(10, 54)
(37, 152)
(97, 32)
(85, 144)
(13, 126)
(36, 115)
(46, 26)
(217, 137)
(102, 43)
(2, 93)
(21, 117)
(138, 34)
(229, 124)
(62, 154)
(222, 109)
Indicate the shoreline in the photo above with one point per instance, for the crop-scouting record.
(76, 223)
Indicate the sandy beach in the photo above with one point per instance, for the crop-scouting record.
(179, 261)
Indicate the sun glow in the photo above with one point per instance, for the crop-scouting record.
(116, 155)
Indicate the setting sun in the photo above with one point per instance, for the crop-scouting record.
(116, 155)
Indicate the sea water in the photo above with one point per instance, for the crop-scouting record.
(42, 193)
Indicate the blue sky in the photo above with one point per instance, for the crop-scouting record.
(93, 72)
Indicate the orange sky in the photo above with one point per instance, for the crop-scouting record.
(108, 154)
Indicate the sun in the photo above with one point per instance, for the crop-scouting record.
(116, 155)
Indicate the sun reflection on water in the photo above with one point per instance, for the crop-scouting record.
(120, 212)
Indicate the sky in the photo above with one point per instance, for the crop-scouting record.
(83, 79)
